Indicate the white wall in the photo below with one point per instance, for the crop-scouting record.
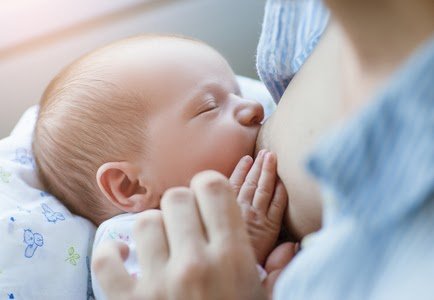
(231, 26)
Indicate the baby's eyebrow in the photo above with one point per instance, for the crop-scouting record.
(192, 103)
(195, 99)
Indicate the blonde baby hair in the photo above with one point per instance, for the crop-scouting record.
(85, 120)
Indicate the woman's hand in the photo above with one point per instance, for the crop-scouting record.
(196, 247)
(262, 199)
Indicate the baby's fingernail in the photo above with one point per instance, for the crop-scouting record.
(269, 156)
(247, 158)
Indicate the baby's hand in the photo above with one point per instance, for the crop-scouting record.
(262, 199)
(276, 262)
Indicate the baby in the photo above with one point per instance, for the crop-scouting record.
(124, 123)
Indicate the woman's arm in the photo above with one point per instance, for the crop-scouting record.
(309, 106)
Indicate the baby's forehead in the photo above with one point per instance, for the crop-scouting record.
(156, 71)
(149, 57)
(155, 65)
(150, 48)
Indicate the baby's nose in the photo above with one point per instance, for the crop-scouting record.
(250, 112)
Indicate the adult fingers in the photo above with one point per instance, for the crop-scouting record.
(151, 243)
(240, 172)
(266, 183)
(218, 208)
(108, 265)
(184, 228)
(249, 186)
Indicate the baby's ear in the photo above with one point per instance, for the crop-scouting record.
(120, 183)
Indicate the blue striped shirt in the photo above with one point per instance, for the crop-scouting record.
(290, 31)
(377, 173)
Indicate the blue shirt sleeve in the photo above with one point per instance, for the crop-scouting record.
(290, 31)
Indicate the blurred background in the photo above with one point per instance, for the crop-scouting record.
(39, 37)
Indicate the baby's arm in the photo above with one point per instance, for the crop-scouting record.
(262, 199)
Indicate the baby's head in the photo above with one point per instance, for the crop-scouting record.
(119, 126)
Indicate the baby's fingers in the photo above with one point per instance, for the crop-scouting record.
(278, 203)
(250, 184)
(266, 184)
(240, 172)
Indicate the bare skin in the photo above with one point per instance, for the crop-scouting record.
(205, 183)
(366, 23)
(299, 120)
(353, 59)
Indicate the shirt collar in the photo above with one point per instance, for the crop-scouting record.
(380, 165)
